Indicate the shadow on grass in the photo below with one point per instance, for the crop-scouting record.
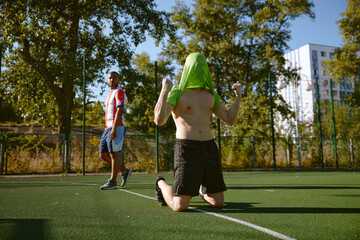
(23, 229)
(249, 187)
(235, 207)
(16, 185)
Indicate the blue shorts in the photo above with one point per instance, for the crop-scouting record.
(108, 145)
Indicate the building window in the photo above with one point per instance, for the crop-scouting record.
(325, 73)
(326, 92)
(314, 53)
(315, 64)
(325, 83)
(323, 54)
(332, 55)
(335, 93)
(315, 72)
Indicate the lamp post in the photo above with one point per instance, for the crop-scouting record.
(281, 86)
(308, 88)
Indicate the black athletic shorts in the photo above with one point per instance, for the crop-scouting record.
(197, 163)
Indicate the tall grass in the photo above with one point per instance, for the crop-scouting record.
(26, 154)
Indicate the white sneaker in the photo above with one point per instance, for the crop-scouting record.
(201, 190)
(109, 185)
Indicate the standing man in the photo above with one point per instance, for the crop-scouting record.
(197, 165)
(111, 143)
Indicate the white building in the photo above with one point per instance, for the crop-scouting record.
(302, 98)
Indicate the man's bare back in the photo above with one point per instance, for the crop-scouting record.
(192, 115)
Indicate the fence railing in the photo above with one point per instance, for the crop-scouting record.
(50, 153)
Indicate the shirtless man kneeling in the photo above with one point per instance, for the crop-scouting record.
(197, 164)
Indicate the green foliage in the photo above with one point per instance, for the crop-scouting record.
(46, 41)
(345, 116)
(242, 40)
(346, 62)
(6, 107)
(28, 95)
(140, 115)
(94, 113)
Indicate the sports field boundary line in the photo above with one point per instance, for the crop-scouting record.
(244, 223)
(247, 224)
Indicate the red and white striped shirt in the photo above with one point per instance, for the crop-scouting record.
(116, 98)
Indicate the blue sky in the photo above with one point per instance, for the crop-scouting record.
(323, 30)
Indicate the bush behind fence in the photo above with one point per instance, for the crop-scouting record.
(50, 153)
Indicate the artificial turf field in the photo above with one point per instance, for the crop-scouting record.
(258, 205)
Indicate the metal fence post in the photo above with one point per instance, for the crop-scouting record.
(333, 124)
(84, 113)
(272, 121)
(218, 120)
(319, 122)
(298, 143)
(351, 152)
(287, 149)
(69, 154)
(63, 155)
(253, 152)
(156, 126)
(6, 157)
(2, 155)
(68, 160)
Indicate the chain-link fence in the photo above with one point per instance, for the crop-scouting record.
(50, 153)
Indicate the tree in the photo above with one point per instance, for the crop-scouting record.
(345, 116)
(45, 42)
(141, 107)
(95, 114)
(346, 61)
(243, 41)
(22, 88)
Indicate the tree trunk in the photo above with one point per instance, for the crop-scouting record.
(65, 104)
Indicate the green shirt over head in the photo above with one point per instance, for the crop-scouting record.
(195, 75)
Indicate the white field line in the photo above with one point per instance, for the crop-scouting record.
(265, 230)
(247, 224)
(256, 227)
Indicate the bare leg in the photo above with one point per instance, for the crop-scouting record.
(106, 157)
(115, 166)
(214, 199)
(177, 203)
(114, 160)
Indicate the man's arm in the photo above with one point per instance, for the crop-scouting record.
(229, 116)
(117, 119)
(163, 109)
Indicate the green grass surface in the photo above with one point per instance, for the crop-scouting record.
(300, 205)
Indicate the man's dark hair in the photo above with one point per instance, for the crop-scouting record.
(115, 73)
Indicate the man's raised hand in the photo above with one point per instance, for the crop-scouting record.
(166, 85)
(237, 87)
